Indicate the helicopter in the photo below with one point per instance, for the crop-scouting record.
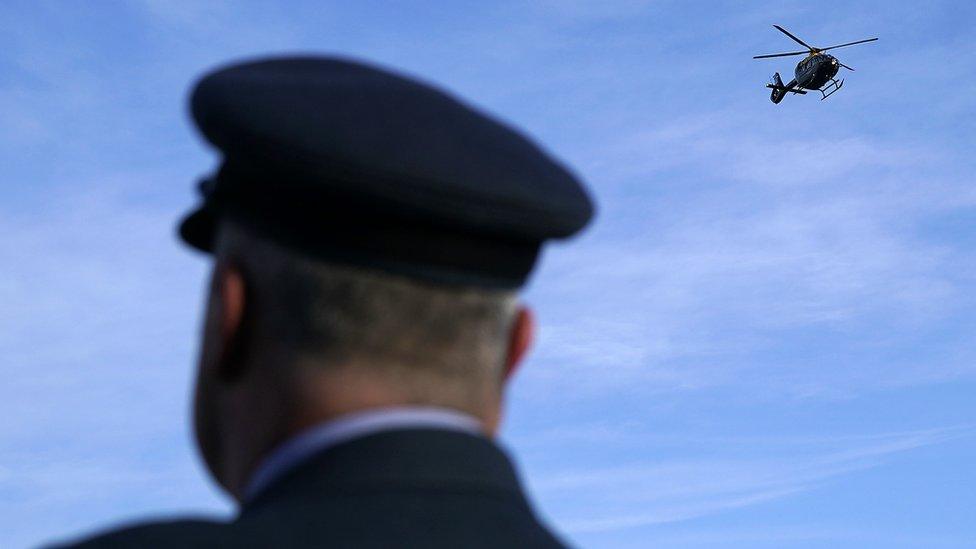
(815, 72)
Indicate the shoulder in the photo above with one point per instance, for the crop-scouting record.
(172, 533)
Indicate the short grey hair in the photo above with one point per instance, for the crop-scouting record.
(444, 345)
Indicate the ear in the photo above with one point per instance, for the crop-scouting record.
(520, 339)
(232, 301)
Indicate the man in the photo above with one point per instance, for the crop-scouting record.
(369, 234)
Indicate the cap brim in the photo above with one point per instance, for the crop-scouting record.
(197, 228)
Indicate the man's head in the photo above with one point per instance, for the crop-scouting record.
(290, 341)
(369, 233)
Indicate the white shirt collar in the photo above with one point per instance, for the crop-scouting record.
(325, 435)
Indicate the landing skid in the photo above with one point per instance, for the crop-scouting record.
(830, 89)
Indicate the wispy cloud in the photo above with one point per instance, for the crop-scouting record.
(94, 280)
(97, 333)
(821, 235)
(666, 491)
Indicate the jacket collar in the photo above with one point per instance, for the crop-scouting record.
(351, 426)
(407, 458)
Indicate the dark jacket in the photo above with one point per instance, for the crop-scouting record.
(407, 488)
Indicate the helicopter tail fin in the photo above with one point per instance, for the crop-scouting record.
(779, 90)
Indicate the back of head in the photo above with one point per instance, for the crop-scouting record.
(424, 343)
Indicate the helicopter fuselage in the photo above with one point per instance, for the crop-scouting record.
(816, 70)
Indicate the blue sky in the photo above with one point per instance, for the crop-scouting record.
(765, 340)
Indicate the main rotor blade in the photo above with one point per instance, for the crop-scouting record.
(845, 66)
(787, 33)
(848, 44)
(781, 54)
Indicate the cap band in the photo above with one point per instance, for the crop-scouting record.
(344, 229)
